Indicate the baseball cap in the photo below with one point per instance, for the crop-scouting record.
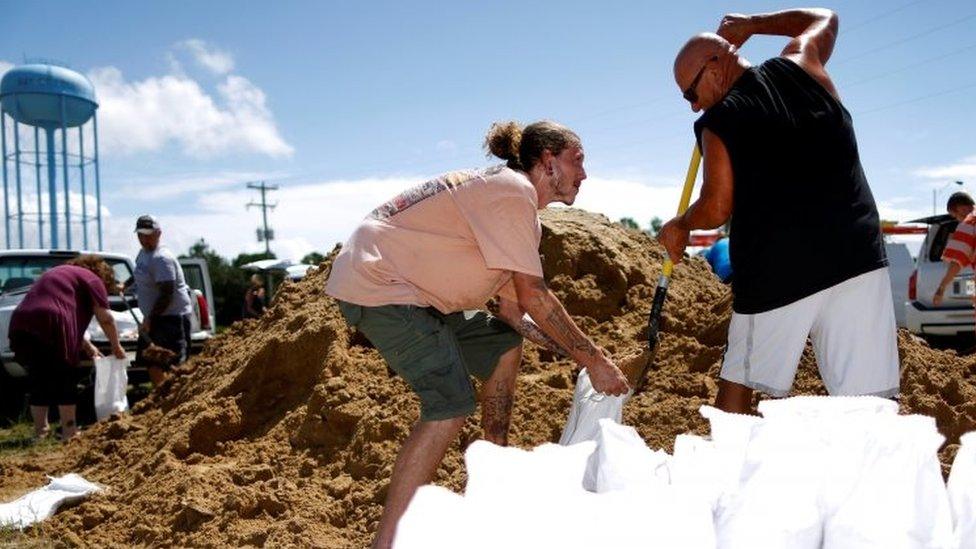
(147, 224)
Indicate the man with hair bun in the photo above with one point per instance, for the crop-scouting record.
(416, 274)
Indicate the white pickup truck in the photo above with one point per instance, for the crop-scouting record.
(20, 268)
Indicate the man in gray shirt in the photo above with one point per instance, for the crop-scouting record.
(163, 297)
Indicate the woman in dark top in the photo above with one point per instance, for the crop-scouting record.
(47, 335)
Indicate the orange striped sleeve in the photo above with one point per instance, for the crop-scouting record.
(961, 247)
(955, 256)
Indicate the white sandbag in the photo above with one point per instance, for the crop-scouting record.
(695, 468)
(727, 430)
(897, 498)
(111, 384)
(525, 516)
(821, 406)
(44, 502)
(587, 409)
(776, 503)
(497, 471)
(436, 519)
(623, 461)
(962, 492)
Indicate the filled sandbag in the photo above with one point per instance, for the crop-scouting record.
(962, 492)
(498, 471)
(436, 519)
(623, 461)
(894, 495)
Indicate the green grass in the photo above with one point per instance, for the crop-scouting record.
(19, 438)
(11, 537)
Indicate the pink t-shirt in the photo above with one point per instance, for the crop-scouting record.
(451, 243)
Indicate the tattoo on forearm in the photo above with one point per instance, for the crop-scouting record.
(531, 331)
(496, 414)
(560, 322)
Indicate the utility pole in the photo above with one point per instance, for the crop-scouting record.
(266, 234)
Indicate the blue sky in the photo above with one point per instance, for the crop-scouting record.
(342, 104)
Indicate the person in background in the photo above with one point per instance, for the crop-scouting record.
(718, 258)
(47, 335)
(164, 298)
(255, 298)
(959, 251)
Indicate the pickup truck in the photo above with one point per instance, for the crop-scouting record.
(20, 268)
(954, 315)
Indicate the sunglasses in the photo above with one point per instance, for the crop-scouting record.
(691, 94)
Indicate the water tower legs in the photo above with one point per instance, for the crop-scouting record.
(64, 169)
(52, 195)
(6, 194)
(84, 196)
(20, 203)
(37, 181)
(98, 184)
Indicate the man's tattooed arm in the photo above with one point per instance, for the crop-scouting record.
(531, 331)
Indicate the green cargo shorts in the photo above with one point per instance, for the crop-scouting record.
(435, 353)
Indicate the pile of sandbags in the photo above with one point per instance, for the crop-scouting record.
(811, 472)
(517, 498)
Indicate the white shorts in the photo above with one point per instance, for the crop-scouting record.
(851, 325)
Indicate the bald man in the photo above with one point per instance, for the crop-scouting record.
(781, 160)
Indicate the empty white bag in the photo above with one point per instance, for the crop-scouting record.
(588, 408)
(111, 382)
(43, 502)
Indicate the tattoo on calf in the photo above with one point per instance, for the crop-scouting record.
(497, 413)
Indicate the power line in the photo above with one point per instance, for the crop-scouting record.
(904, 40)
(919, 98)
(881, 15)
(911, 66)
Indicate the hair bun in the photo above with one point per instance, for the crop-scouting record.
(503, 140)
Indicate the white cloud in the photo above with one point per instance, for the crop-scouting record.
(964, 170)
(315, 216)
(145, 115)
(617, 198)
(169, 186)
(4, 67)
(30, 222)
(216, 61)
(902, 211)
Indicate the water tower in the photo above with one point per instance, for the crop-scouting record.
(48, 99)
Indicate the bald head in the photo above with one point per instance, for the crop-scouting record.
(716, 63)
(696, 51)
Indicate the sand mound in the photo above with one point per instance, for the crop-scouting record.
(284, 431)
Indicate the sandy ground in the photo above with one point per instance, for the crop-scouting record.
(284, 431)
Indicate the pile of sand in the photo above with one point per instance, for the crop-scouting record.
(285, 430)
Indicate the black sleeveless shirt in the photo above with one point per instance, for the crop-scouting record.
(804, 218)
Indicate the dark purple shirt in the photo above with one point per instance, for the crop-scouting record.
(59, 307)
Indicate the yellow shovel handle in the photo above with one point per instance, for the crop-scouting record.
(685, 198)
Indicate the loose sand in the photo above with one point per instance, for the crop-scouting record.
(284, 431)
